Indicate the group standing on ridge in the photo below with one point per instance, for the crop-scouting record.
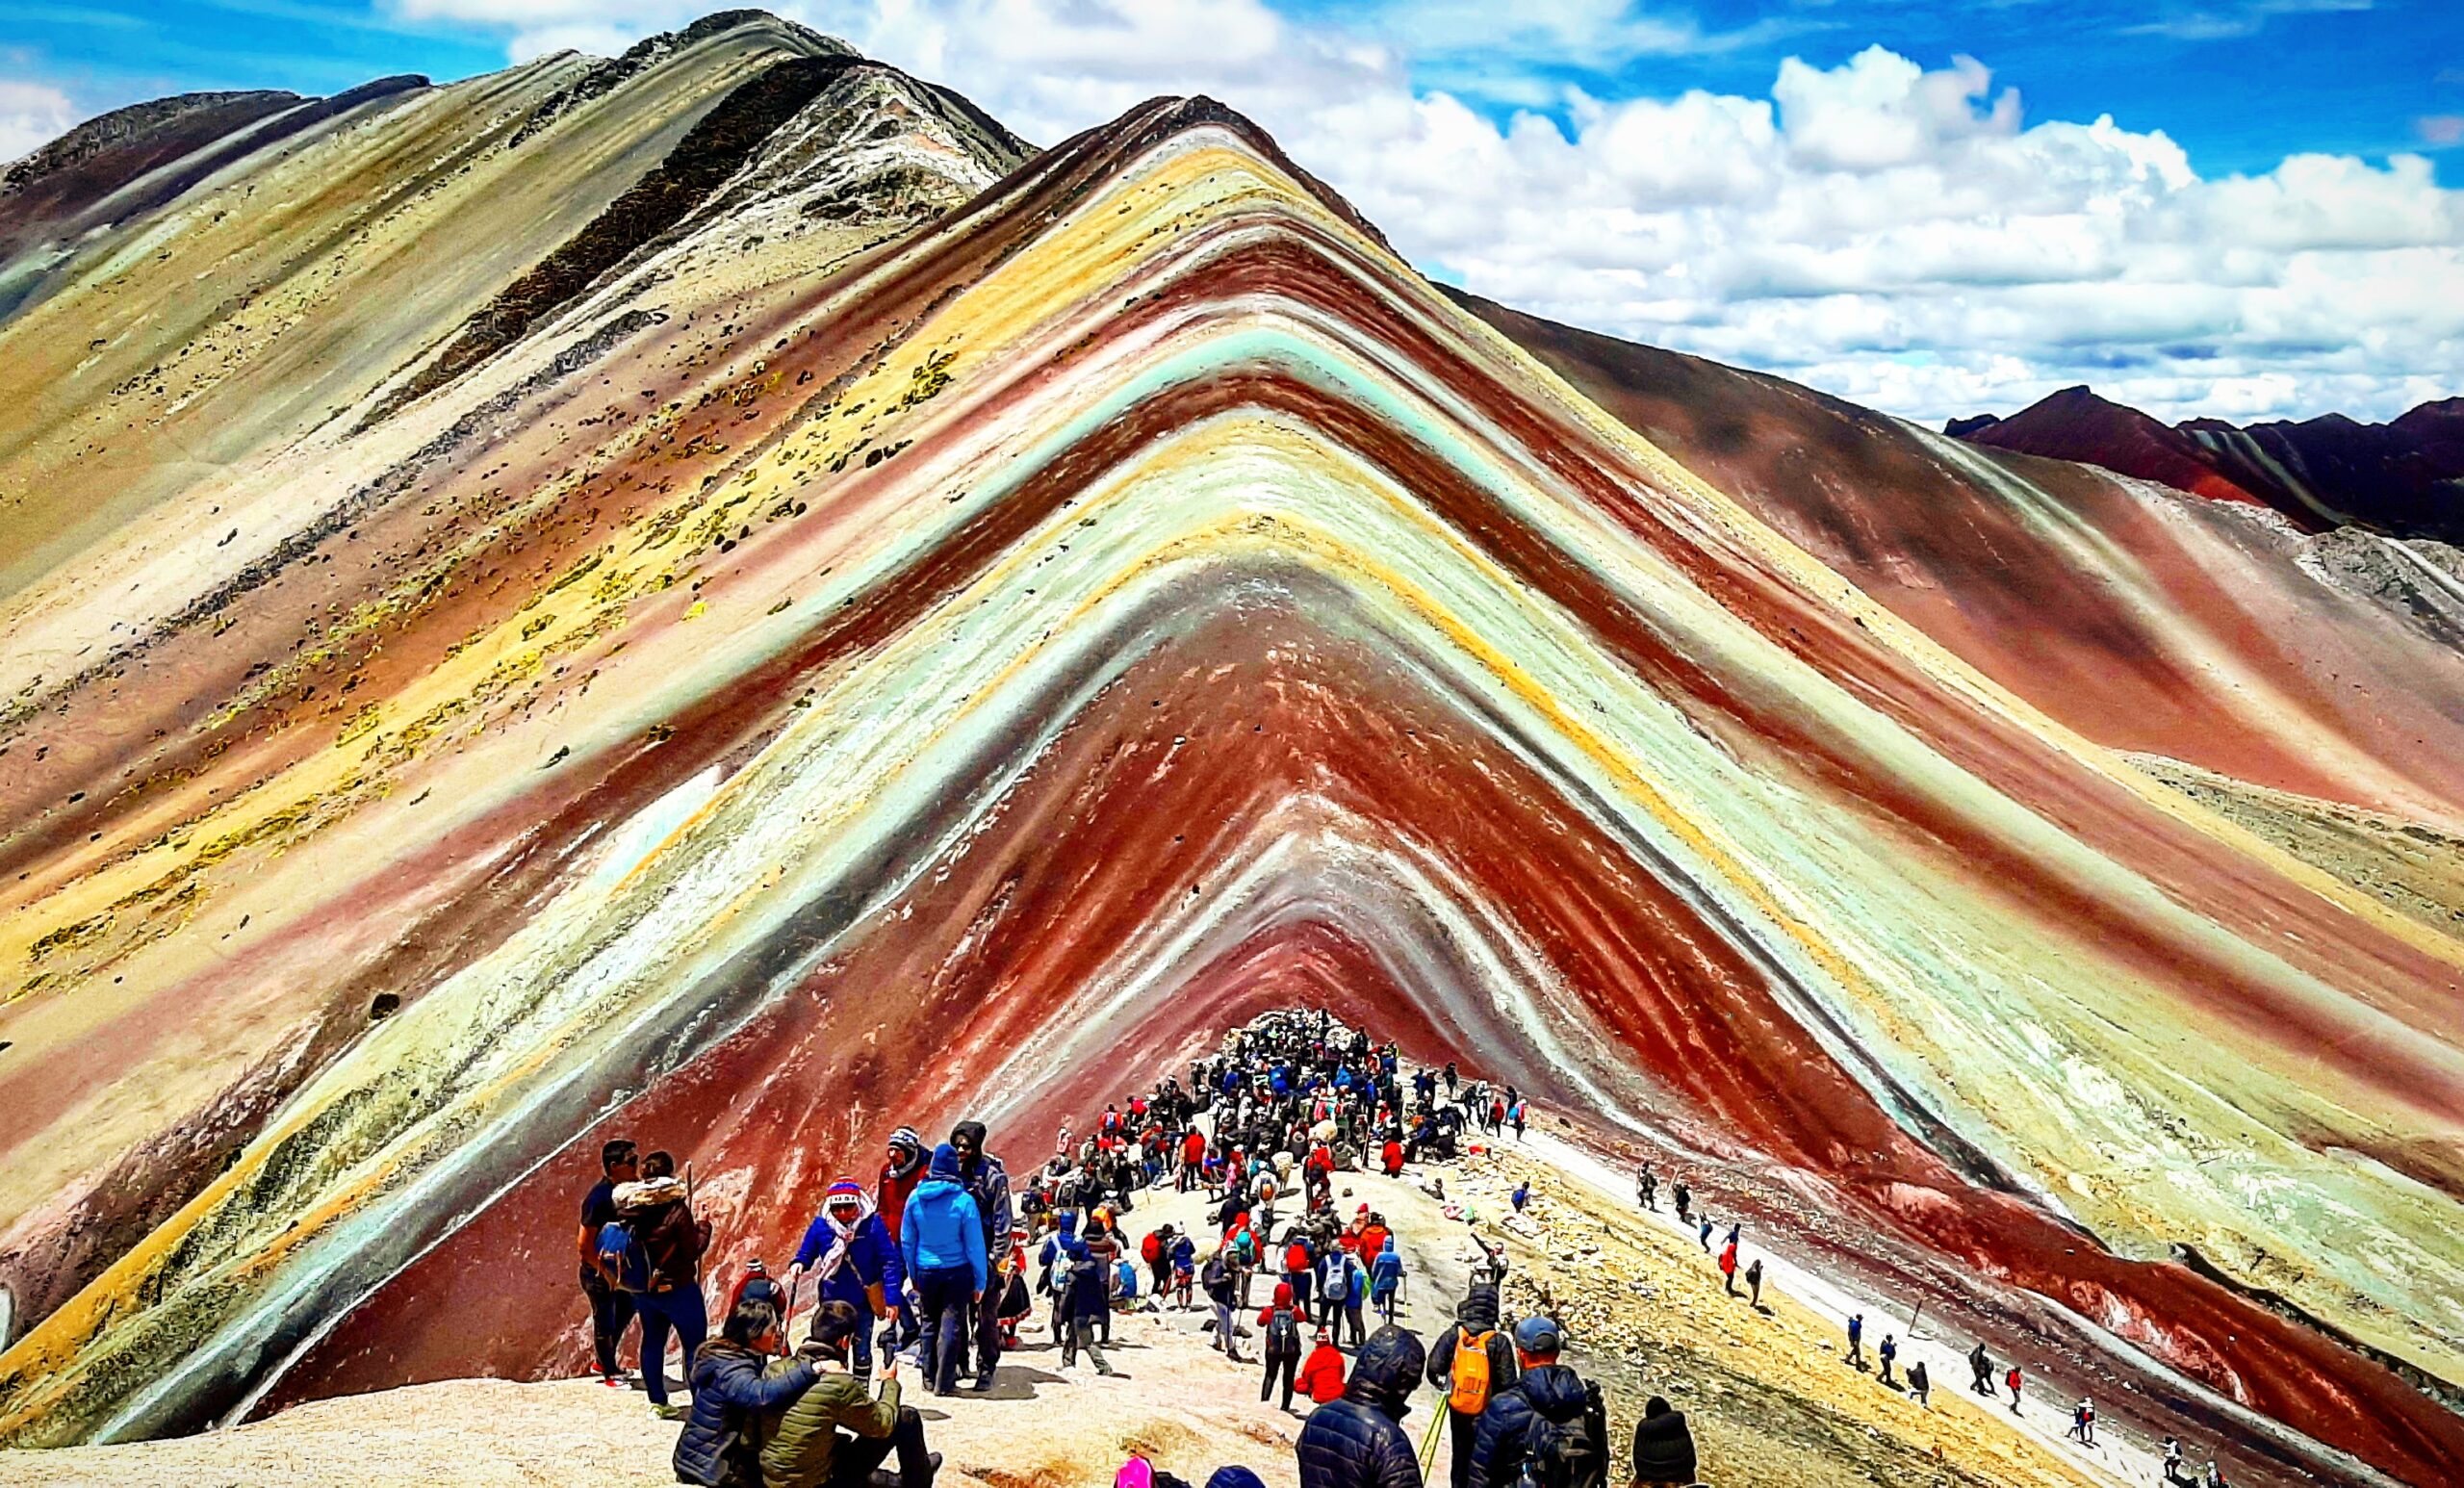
(936, 1262)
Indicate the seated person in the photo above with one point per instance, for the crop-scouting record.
(835, 1434)
(735, 1397)
(1664, 1446)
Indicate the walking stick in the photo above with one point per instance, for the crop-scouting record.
(1428, 1442)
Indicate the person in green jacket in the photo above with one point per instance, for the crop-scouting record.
(836, 1433)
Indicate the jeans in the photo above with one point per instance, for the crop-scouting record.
(987, 1333)
(681, 1309)
(852, 1462)
(1226, 1330)
(1299, 1281)
(610, 1310)
(949, 1298)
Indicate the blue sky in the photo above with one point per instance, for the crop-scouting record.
(1915, 204)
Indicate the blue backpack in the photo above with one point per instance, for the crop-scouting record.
(622, 1256)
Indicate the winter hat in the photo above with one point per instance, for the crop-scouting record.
(904, 1137)
(844, 1188)
(945, 1163)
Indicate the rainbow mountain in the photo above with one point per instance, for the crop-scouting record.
(718, 593)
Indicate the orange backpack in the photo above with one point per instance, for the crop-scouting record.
(1470, 1394)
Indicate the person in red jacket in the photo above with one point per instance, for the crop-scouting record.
(1322, 1377)
(1193, 1173)
(1394, 1158)
(900, 1175)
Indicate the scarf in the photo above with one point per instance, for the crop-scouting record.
(843, 1235)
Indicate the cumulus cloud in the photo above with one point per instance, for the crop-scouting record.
(31, 115)
(1899, 235)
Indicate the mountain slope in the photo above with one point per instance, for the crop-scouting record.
(842, 666)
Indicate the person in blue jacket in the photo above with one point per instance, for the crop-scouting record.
(848, 1249)
(942, 1240)
(1385, 1279)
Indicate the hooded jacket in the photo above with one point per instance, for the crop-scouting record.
(1358, 1441)
(943, 1229)
(1476, 1313)
(898, 1180)
(800, 1453)
(1550, 1390)
(1385, 1270)
(1322, 1377)
(989, 1186)
(1664, 1446)
(1266, 1315)
(721, 1441)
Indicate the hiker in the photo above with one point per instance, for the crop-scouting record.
(1450, 1078)
(2010, 1382)
(988, 1182)
(1184, 1260)
(732, 1396)
(941, 1242)
(1857, 1340)
(1156, 1250)
(1101, 1243)
(2174, 1459)
(1704, 1234)
(1518, 1120)
(848, 1249)
(1471, 1361)
(806, 1448)
(1061, 1249)
(1322, 1375)
(1223, 1289)
(1280, 1322)
(1335, 1271)
(2083, 1423)
(1683, 1197)
(1300, 1267)
(658, 1212)
(1010, 1285)
(1754, 1281)
(1890, 1352)
(898, 1178)
(1921, 1384)
(611, 1307)
(1521, 1194)
(1087, 1306)
(1358, 1441)
(1663, 1447)
(1192, 1170)
(1385, 1281)
(1647, 1188)
(1727, 1268)
(1980, 1366)
(1391, 1158)
(1550, 1420)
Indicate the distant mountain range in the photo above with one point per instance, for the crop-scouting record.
(2404, 478)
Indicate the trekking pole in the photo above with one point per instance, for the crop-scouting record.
(1428, 1442)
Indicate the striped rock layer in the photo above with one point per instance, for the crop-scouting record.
(711, 598)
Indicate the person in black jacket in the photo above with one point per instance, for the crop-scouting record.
(1477, 1314)
(1663, 1447)
(988, 1182)
(1547, 1389)
(1358, 1441)
(721, 1444)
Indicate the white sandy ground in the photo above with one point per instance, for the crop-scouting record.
(1179, 1402)
(2043, 1414)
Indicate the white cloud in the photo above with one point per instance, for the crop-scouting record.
(1893, 233)
(31, 115)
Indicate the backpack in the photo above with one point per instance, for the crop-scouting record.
(1296, 1257)
(1569, 1454)
(1244, 1247)
(622, 1257)
(1470, 1376)
(1283, 1334)
(1332, 1282)
(1151, 1249)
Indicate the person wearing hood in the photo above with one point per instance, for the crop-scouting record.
(1322, 1375)
(1663, 1447)
(1385, 1282)
(1357, 1440)
(1548, 1399)
(734, 1399)
(1280, 1325)
(1061, 1252)
(1471, 1383)
(658, 1208)
(850, 1253)
(899, 1177)
(1085, 1306)
(941, 1242)
(989, 1183)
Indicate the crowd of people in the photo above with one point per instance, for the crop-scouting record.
(937, 1264)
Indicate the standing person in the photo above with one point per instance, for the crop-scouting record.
(1102, 1245)
(1890, 1352)
(1300, 1266)
(1356, 1287)
(1663, 1447)
(941, 1242)
(1358, 1441)
(1683, 1197)
(1727, 1268)
(1184, 1270)
(611, 1308)
(898, 1179)
(659, 1210)
(849, 1253)
(1704, 1234)
(1390, 1156)
(1980, 1368)
(2083, 1423)
(807, 1449)
(1088, 1306)
(1156, 1250)
(1551, 1419)
(1060, 1250)
(1219, 1281)
(1754, 1281)
(1280, 1324)
(1010, 1285)
(1921, 1384)
(1450, 1078)
(2172, 1459)
(988, 1182)
(1322, 1375)
(1385, 1281)
(1857, 1340)
(1335, 1271)
(732, 1393)
(1518, 1127)
(2010, 1382)
(1192, 1170)
(1471, 1361)
(1647, 1190)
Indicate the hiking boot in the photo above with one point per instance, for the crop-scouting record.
(670, 1411)
(982, 1384)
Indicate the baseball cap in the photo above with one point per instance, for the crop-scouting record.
(1538, 1336)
